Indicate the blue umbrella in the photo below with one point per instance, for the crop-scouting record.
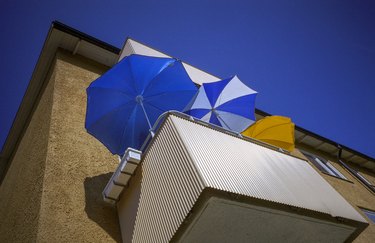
(124, 103)
(228, 103)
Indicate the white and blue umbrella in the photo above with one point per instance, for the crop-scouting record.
(229, 103)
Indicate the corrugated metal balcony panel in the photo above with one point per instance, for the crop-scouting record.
(186, 161)
(235, 165)
(169, 189)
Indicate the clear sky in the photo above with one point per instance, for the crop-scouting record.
(313, 61)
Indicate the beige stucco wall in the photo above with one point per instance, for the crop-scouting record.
(21, 190)
(352, 189)
(52, 192)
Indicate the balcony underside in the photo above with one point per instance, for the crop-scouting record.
(224, 217)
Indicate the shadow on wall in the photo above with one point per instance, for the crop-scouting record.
(104, 214)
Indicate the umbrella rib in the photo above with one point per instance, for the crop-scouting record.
(154, 106)
(111, 112)
(126, 126)
(165, 93)
(133, 76)
(162, 69)
(218, 116)
(219, 108)
(231, 100)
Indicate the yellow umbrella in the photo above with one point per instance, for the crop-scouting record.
(275, 130)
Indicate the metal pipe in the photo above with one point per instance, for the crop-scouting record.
(221, 119)
(139, 100)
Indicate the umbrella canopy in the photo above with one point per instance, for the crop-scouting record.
(123, 103)
(228, 103)
(275, 130)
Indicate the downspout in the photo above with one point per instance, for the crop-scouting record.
(353, 172)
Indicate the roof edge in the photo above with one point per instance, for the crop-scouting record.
(74, 32)
(35, 88)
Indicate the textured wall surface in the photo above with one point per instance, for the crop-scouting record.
(77, 165)
(352, 190)
(60, 170)
(21, 190)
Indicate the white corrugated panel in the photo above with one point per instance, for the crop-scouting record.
(186, 157)
(169, 189)
(232, 164)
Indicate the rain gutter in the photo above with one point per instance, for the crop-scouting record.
(71, 31)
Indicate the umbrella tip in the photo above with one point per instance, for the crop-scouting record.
(175, 60)
(139, 99)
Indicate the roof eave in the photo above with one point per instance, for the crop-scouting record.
(59, 36)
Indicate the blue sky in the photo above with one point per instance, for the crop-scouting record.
(313, 61)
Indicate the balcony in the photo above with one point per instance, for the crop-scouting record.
(200, 183)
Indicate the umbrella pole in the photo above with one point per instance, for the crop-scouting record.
(221, 119)
(139, 100)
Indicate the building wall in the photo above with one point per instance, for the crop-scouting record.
(52, 191)
(352, 189)
(66, 167)
(21, 190)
